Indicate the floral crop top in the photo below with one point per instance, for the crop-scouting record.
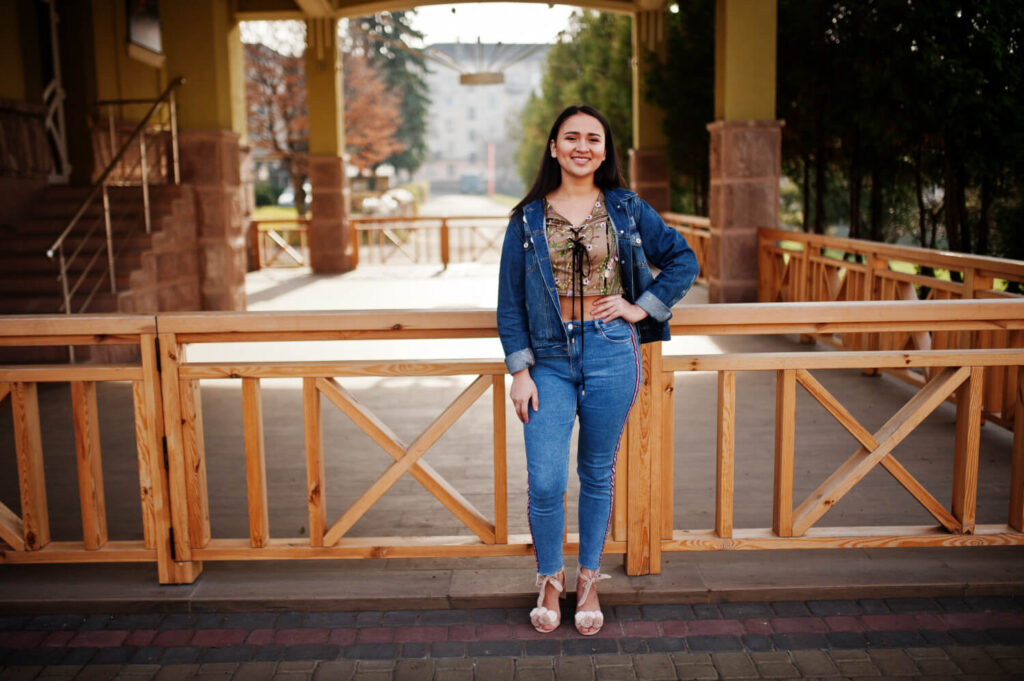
(598, 268)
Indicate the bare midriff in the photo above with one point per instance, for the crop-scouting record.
(566, 303)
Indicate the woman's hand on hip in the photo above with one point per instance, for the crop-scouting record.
(607, 308)
(524, 394)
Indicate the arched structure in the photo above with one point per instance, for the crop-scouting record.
(199, 40)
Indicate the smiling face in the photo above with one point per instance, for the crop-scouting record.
(579, 147)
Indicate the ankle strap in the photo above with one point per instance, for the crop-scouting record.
(556, 580)
(588, 581)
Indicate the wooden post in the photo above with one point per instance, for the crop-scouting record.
(316, 494)
(158, 432)
(28, 443)
(1017, 466)
(643, 531)
(445, 244)
(965, 458)
(194, 449)
(725, 453)
(765, 271)
(255, 463)
(500, 463)
(785, 431)
(90, 468)
(667, 473)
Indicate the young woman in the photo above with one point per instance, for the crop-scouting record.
(576, 297)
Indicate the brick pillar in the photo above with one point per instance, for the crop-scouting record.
(211, 162)
(330, 248)
(745, 170)
(649, 177)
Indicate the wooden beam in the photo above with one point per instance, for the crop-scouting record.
(255, 463)
(90, 466)
(5, 392)
(500, 460)
(194, 449)
(923, 496)
(172, 355)
(12, 530)
(402, 367)
(763, 539)
(316, 493)
(967, 442)
(28, 443)
(149, 454)
(785, 440)
(62, 373)
(838, 411)
(909, 416)
(1016, 515)
(725, 453)
(641, 556)
(667, 472)
(773, 361)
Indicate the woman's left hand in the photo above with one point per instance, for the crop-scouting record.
(607, 308)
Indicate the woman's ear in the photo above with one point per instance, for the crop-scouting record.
(551, 148)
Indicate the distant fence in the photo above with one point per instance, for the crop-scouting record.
(175, 493)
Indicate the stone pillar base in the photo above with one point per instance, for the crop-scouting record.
(649, 177)
(211, 163)
(745, 171)
(331, 247)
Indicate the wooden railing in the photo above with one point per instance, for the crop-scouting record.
(176, 492)
(697, 231)
(424, 239)
(799, 267)
(279, 242)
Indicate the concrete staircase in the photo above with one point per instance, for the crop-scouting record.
(155, 272)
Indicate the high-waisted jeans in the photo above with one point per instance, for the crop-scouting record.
(599, 385)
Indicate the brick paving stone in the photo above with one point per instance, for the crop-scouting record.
(61, 670)
(328, 620)
(814, 663)
(415, 650)
(394, 618)
(757, 626)
(260, 637)
(913, 605)
(289, 620)
(146, 655)
(633, 646)
(1012, 665)
(798, 625)
(261, 671)
(790, 608)
(574, 669)
(103, 672)
(713, 644)
(52, 623)
(176, 656)
(447, 649)
(111, 656)
(589, 646)
(60, 639)
(94, 622)
(889, 622)
(334, 670)
(800, 641)
(170, 638)
(140, 637)
(314, 652)
(952, 604)
(269, 653)
(22, 639)
(654, 666)
(371, 651)
(616, 674)
(613, 660)
(672, 628)
(667, 612)
(715, 628)
(934, 667)
(925, 653)
(858, 668)
(874, 606)
(445, 617)
(893, 662)
(1009, 637)
(19, 673)
(250, 620)
(667, 644)
(454, 663)
(846, 639)
(1003, 652)
(373, 635)
(494, 632)
(542, 648)
(226, 654)
(493, 615)
(386, 665)
(14, 622)
(219, 637)
(937, 638)
(342, 637)
(740, 611)
(534, 663)
(645, 629)
(757, 642)
(686, 672)
(135, 621)
(176, 672)
(467, 632)
(994, 603)
(494, 648)
(706, 611)
(413, 670)
(78, 656)
(970, 637)
(894, 639)
(374, 675)
(623, 613)
(777, 656)
(734, 665)
(777, 670)
(292, 637)
(36, 657)
(495, 669)
(218, 668)
(824, 608)
(535, 674)
(929, 622)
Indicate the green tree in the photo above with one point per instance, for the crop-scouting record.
(590, 64)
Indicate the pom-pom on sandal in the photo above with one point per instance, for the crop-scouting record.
(544, 619)
(588, 622)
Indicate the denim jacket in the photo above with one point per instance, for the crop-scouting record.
(529, 315)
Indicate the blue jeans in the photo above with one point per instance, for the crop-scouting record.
(609, 367)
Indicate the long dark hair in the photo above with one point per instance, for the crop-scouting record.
(549, 176)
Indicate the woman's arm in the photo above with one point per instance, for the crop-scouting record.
(513, 325)
(667, 250)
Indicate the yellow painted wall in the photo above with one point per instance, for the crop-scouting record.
(119, 75)
(745, 59)
(12, 67)
(649, 43)
(203, 44)
(324, 88)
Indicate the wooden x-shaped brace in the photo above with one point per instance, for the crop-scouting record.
(407, 459)
(489, 243)
(876, 448)
(399, 243)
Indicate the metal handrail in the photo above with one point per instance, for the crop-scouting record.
(167, 97)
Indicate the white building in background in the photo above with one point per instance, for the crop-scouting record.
(473, 129)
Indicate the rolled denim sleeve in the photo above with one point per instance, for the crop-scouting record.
(667, 250)
(513, 323)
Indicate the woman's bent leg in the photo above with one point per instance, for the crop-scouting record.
(612, 379)
(547, 437)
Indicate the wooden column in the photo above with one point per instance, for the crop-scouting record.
(28, 444)
(1016, 520)
(643, 488)
(965, 458)
(90, 468)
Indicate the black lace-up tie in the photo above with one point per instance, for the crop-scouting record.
(580, 271)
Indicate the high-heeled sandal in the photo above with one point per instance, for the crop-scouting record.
(544, 619)
(592, 620)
